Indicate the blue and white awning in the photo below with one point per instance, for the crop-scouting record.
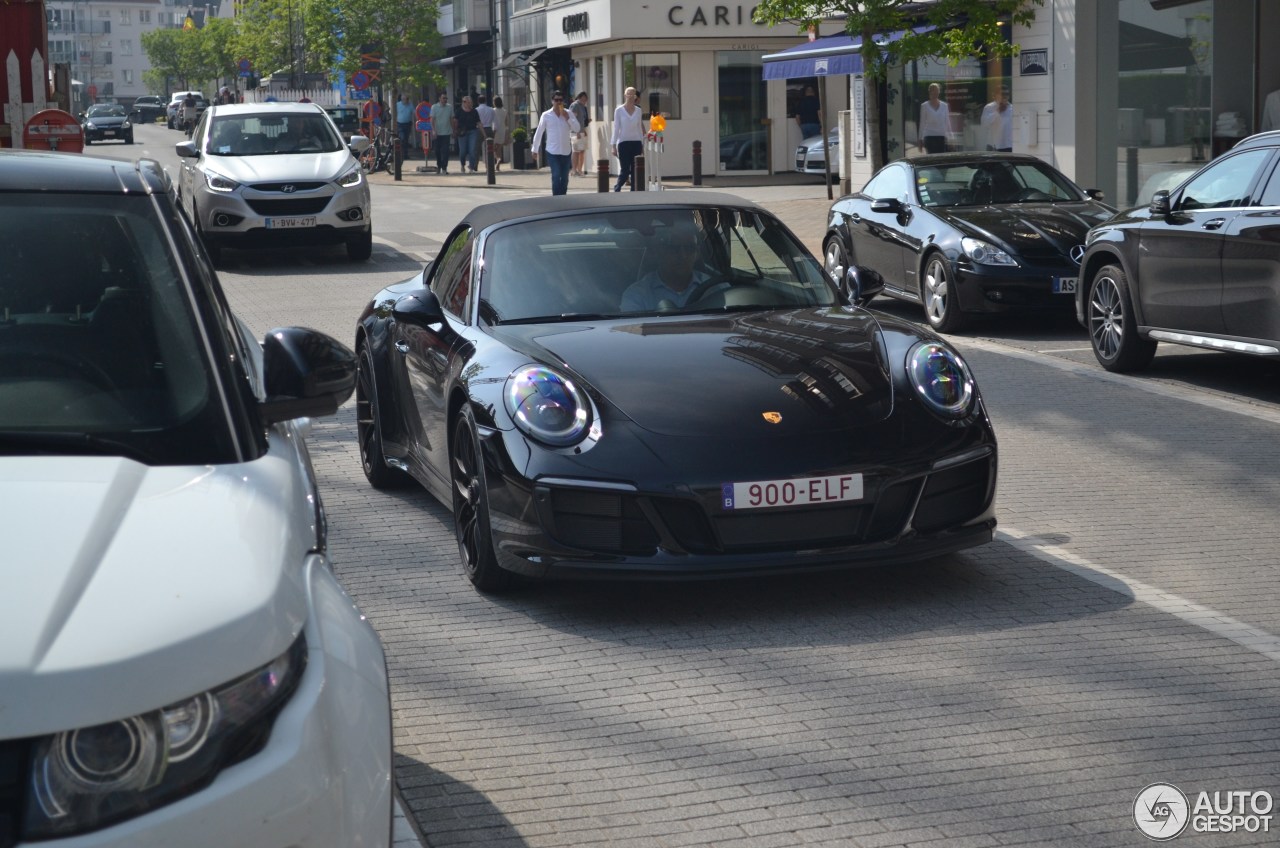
(826, 56)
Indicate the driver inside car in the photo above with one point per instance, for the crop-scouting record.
(678, 279)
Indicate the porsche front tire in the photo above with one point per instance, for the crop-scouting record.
(471, 508)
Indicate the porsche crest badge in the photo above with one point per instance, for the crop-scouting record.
(773, 417)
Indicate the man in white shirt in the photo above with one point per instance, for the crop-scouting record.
(997, 122)
(557, 125)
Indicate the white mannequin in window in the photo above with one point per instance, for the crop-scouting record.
(1271, 112)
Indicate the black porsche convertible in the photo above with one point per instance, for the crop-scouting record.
(664, 386)
(963, 233)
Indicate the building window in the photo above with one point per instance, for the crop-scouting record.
(144, 16)
(126, 47)
(126, 76)
(126, 17)
(656, 77)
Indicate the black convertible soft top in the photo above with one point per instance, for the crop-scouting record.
(489, 214)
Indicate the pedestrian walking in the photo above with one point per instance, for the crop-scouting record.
(442, 130)
(500, 133)
(485, 111)
(404, 123)
(468, 135)
(187, 114)
(580, 111)
(627, 141)
(557, 126)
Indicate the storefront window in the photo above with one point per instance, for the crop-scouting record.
(656, 76)
(743, 107)
(1165, 126)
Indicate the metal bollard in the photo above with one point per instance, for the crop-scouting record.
(637, 175)
(489, 174)
(602, 176)
(398, 156)
(697, 163)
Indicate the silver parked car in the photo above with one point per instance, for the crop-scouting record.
(272, 175)
(809, 155)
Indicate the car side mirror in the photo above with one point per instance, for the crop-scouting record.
(891, 205)
(306, 374)
(187, 149)
(1160, 203)
(1096, 193)
(358, 144)
(420, 308)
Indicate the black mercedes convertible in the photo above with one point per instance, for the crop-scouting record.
(665, 386)
(964, 233)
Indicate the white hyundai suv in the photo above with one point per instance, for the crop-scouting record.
(272, 175)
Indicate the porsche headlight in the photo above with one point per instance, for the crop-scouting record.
(217, 182)
(125, 125)
(985, 254)
(90, 125)
(352, 177)
(88, 778)
(941, 379)
(547, 406)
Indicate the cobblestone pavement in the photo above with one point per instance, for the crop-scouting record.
(1118, 633)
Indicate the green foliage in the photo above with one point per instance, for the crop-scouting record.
(275, 35)
(520, 134)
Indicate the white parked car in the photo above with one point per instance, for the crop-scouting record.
(275, 174)
(179, 665)
(809, 155)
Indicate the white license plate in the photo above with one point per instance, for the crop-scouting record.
(291, 223)
(764, 494)
(1065, 285)
(108, 132)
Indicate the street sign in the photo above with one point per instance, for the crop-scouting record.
(423, 111)
(362, 94)
(360, 80)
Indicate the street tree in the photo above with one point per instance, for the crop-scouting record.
(960, 29)
(406, 30)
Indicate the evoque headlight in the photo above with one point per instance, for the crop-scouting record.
(217, 182)
(91, 777)
(547, 406)
(941, 379)
(985, 254)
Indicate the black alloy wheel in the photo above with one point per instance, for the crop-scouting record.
(1113, 331)
(471, 508)
(369, 428)
(938, 296)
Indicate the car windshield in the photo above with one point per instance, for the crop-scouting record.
(99, 349)
(638, 261)
(106, 110)
(993, 182)
(265, 135)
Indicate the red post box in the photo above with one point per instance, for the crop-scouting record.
(53, 129)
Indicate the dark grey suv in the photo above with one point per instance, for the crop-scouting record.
(1200, 266)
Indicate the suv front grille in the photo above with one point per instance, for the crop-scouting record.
(309, 186)
(295, 206)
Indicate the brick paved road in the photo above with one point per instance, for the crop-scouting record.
(1012, 695)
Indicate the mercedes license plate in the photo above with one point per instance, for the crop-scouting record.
(291, 223)
(806, 491)
(1065, 285)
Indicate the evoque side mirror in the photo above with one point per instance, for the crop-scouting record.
(1160, 203)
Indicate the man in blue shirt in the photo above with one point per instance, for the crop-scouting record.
(678, 279)
(404, 123)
